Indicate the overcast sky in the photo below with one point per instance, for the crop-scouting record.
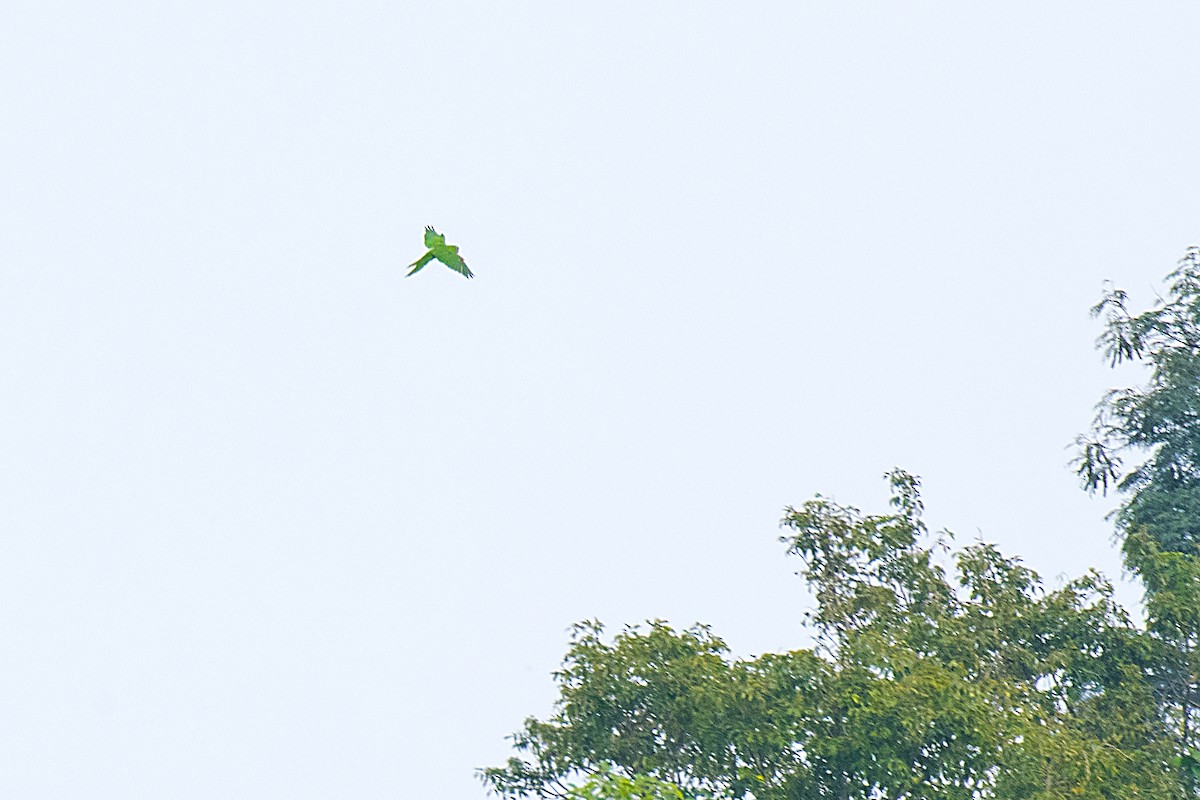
(276, 522)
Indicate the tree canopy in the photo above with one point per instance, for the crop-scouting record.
(1158, 521)
(936, 672)
(920, 685)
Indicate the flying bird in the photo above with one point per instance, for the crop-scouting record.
(445, 253)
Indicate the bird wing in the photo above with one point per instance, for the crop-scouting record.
(419, 263)
(450, 257)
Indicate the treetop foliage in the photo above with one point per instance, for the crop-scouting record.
(1160, 420)
(920, 686)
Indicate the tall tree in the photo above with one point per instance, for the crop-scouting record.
(1159, 519)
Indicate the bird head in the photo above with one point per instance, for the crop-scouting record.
(433, 238)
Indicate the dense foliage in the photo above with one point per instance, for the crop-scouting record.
(1159, 519)
(920, 686)
(936, 673)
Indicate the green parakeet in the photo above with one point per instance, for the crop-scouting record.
(445, 253)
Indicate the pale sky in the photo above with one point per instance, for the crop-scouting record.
(276, 522)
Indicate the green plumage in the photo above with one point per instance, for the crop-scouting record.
(445, 253)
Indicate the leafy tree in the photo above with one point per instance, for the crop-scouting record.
(665, 704)
(920, 687)
(1039, 694)
(1159, 520)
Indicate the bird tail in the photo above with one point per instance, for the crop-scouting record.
(418, 264)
